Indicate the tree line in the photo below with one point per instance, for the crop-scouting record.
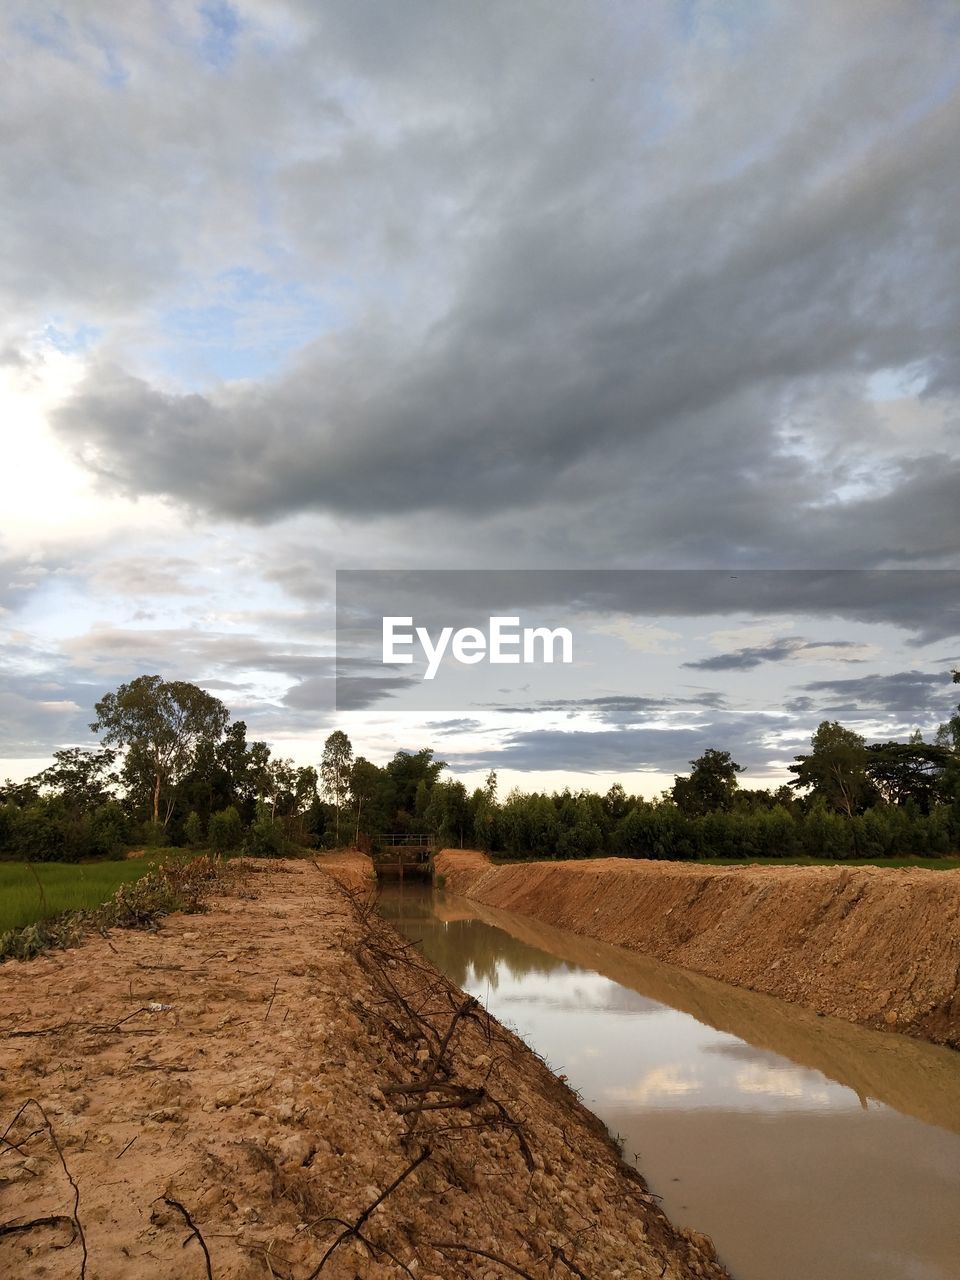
(172, 767)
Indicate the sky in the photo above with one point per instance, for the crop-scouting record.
(293, 288)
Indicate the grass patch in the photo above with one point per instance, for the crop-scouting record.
(100, 895)
(929, 864)
(39, 891)
(800, 860)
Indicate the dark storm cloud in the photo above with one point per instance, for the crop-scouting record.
(777, 651)
(352, 684)
(904, 699)
(629, 749)
(605, 287)
(621, 710)
(924, 602)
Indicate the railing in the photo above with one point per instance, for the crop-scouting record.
(404, 841)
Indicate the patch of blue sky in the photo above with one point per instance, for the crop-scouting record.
(71, 340)
(221, 27)
(115, 74)
(55, 33)
(48, 29)
(902, 383)
(247, 326)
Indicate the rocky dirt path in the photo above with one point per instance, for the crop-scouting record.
(232, 1096)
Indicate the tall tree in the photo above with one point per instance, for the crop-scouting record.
(83, 779)
(483, 806)
(836, 768)
(365, 780)
(412, 772)
(335, 768)
(160, 722)
(905, 771)
(711, 786)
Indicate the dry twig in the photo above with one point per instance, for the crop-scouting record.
(74, 1217)
(194, 1232)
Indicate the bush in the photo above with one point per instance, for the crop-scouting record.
(153, 835)
(193, 829)
(226, 830)
(108, 832)
(266, 839)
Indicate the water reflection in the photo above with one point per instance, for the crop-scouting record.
(757, 1122)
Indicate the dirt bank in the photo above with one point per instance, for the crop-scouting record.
(877, 946)
(268, 1071)
(915, 1078)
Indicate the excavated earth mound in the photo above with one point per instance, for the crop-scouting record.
(875, 945)
(283, 1087)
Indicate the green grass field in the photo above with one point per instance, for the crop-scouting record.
(65, 887)
(928, 864)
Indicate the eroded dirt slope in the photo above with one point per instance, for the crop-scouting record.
(267, 1071)
(875, 945)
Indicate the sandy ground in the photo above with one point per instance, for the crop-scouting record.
(874, 945)
(233, 1094)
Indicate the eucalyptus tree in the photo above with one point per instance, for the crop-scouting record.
(335, 768)
(159, 724)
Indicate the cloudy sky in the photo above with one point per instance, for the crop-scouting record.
(293, 286)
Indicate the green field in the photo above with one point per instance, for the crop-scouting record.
(928, 864)
(62, 887)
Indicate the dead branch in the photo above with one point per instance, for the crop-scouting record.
(74, 1217)
(54, 1220)
(437, 1062)
(465, 1101)
(353, 1229)
(194, 1232)
(449, 1246)
(560, 1256)
(373, 1246)
(18, 1146)
(426, 1086)
(510, 1123)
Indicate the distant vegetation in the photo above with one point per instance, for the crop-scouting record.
(173, 769)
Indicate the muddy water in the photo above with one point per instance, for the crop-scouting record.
(807, 1148)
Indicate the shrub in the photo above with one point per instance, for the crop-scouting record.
(225, 830)
(193, 829)
(265, 839)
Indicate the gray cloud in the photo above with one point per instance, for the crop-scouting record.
(923, 602)
(596, 290)
(491, 284)
(36, 711)
(905, 700)
(628, 750)
(622, 710)
(777, 651)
